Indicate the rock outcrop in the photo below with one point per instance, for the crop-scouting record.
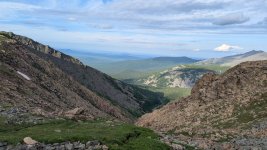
(220, 108)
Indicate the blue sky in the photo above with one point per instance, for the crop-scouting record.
(196, 28)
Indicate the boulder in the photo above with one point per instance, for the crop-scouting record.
(104, 147)
(29, 141)
(74, 112)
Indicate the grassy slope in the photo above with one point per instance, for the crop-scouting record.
(173, 93)
(217, 68)
(114, 134)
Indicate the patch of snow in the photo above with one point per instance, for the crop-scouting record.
(24, 75)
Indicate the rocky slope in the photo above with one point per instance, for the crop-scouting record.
(236, 59)
(179, 76)
(227, 109)
(37, 78)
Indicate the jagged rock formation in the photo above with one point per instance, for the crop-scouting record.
(41, 79)
(225, 107)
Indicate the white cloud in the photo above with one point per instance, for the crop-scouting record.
(226, 48)
(190, 15)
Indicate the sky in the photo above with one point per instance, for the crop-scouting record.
(194, 28)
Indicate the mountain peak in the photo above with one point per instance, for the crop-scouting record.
(252, 52)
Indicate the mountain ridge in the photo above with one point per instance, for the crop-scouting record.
(125, 100)
(233, 60)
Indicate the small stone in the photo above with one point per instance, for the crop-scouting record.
(29, 141)
(69, 146)
(72, 113)
(76, 145)
(49, 147)
(55, 144)
(104, 147)
(97, 147)
(177, 147)
(61, 147)
(94, 143)
(2, 144)
(82, 146)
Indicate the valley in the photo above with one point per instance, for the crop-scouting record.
(133, 75)
(45, 93)
(60, 102)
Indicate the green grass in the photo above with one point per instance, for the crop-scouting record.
(172, 93)
(217, 68)
(2, 37)
(114, 135)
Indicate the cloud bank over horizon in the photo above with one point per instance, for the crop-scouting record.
(160, 27)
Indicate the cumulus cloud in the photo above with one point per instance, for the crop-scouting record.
(190, 15)
(230, 19)
(140, 24)
(226, 48)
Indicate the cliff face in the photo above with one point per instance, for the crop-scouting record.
(219, 107)
(37, 77)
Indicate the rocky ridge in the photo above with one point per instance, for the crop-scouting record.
(47, 82)
(226, 109)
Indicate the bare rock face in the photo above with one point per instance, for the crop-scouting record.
(220, 108)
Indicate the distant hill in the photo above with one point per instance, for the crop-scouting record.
(179, 60)
(123, 69)
(236, 59)
(182, 76)
(37, 77)
(96, 59)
